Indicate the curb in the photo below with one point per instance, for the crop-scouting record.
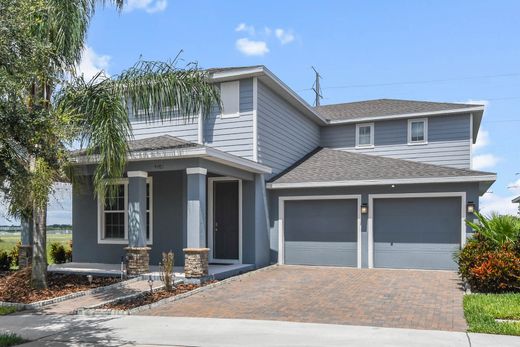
(108, 312)
(39, 304)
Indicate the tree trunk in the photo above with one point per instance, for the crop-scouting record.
(39, 261)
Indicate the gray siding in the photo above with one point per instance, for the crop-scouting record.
(233, 135)
(449, 142)
(471, 189)
(284, 134)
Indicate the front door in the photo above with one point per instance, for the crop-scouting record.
(225, 234)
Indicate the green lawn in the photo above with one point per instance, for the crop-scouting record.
(7, 242)
(7, 340)
(481, 310)
(5, 310)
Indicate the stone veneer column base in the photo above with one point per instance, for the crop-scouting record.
(24, 256)
(138, 260)
(195, 262)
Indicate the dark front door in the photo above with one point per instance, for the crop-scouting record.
(226, 220)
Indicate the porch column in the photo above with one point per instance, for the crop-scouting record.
(25, 251)
(196, 221)
(196, 253)
(137, 251)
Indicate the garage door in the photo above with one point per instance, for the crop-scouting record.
(416, 233)
(320, 232)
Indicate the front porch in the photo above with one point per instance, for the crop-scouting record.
(215, 271)
(192, 200)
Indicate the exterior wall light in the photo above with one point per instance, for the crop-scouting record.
(364, 208)
(470, 207)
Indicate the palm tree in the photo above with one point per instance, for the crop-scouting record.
(64, 107)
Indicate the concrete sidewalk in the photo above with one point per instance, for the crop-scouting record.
(58, 330)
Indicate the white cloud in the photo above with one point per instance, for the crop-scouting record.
(251, 47)
(484, 161)
(482, 140)
(491, 202)
(91, 63)
(246, 28)
(150, 6)
(284, 36)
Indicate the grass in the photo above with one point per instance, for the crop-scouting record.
(9, 339)
(5, 310)
(481, 310)
(7, 242)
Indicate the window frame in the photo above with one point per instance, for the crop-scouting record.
(364, 125)
(425, 128)
(235, 88)
(101, 215)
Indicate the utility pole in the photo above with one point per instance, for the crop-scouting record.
(316, 88)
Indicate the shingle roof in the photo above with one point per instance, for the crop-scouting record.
(153, 143)
(329, 165)
(383, 107)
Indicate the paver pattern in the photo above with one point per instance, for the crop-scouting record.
(69, 306)
(375, 297)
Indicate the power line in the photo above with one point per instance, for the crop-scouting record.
(383, 84)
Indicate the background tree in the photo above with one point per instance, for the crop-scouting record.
(48, 107)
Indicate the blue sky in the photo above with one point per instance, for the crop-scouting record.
(455, 51)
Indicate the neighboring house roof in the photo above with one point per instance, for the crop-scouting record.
(170, 147)
(328, 167)
(517, 199)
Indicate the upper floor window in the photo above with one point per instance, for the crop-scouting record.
(113, 214)
(230, 96)
(418, 131)
(365, 135)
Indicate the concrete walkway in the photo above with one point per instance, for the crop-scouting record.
(69, 306)
(58, 330)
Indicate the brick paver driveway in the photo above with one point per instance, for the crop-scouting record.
(376, 297)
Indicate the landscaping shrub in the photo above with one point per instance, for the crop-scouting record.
(490, 260)
(15, 251)
(167, 270)
(58, 253)
(5, 261)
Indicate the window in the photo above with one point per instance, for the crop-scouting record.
(230, 96)
(365, 135)
(417, 131)
(113, 215)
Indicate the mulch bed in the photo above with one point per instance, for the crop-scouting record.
(147, 298)
(16, 287)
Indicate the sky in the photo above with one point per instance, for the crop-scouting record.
(451, 51)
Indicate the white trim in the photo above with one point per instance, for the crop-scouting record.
(196, 171)
(142, 174)
(211, 221)
(364, 125)
(200, 129)
(389, 181)
(407, 115)
(204, 152)
(281, 215)
(471, 141)
(101, 215)
(255, 119)
(370, 222)
(425, 129)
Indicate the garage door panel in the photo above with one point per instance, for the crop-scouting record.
(321, 253)
(415, 255)
(321, 232)
(421, 233)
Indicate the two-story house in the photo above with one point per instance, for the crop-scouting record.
(271, 179)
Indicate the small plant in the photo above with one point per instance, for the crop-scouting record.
(14, 253)
(5, 261)
(58, 253)
(497, 229)
(68, 252)
(10, 339)
(167, 274)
